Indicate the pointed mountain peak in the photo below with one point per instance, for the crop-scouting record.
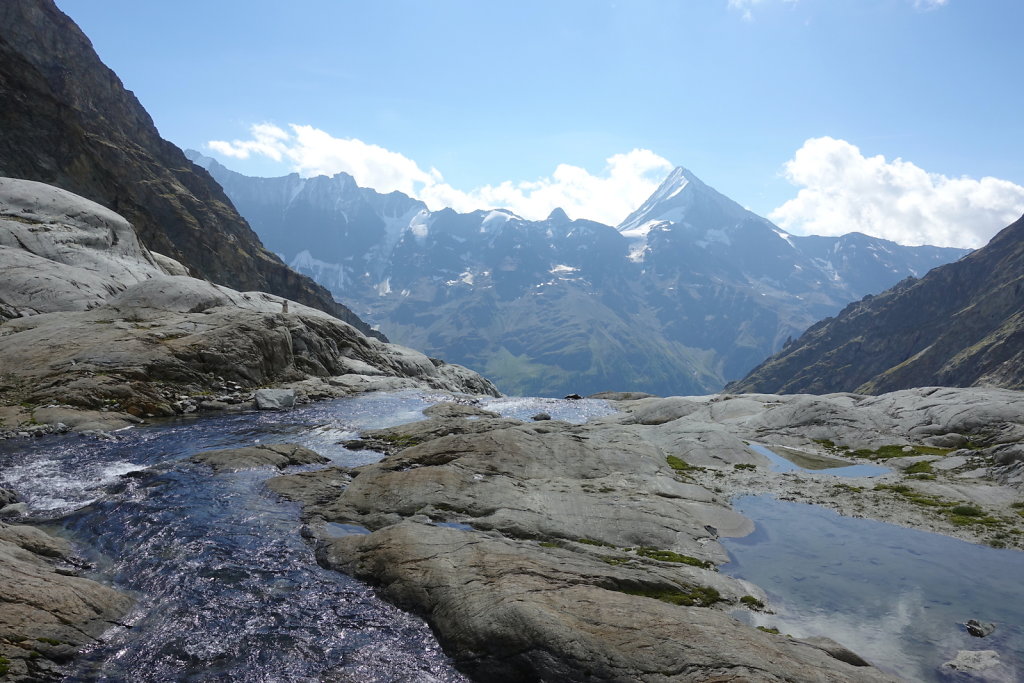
(559, 216)
(683, 197)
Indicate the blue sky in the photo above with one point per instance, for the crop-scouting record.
(450, 99)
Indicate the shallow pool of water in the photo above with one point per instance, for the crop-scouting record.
(896, 596)
(788, 460)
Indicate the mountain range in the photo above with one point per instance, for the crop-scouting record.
(691, 291)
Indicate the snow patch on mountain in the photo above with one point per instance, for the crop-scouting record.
(330, 275)
(494, 220)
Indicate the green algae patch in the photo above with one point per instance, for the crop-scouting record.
(752, 602)
(669, 556)
(678, 464)
(959, 514)
(897, 451)
(693, 596)
(919, 468)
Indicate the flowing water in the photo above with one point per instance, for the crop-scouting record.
(227, 589)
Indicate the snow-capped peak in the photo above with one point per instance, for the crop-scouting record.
(684, 199)
(668, 202)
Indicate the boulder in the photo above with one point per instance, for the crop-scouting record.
(275, 399)
(572, 552)
(979, 629)
(272, 455)
(7, 497)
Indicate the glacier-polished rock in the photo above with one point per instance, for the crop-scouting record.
(90, 320)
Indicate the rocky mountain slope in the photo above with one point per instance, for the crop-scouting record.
(960, 325)
(91, 320)
(68, 121)
(690, 291)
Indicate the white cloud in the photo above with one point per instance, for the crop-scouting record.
(626, 182)
(845, 191)
(311, 152)
(929, 4)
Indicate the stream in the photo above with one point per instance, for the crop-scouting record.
(227, 589)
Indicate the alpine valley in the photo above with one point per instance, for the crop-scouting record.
(689, 292)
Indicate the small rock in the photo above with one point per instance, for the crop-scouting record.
(14, 510)
(275, 399)
(979, 629)
(7, 497)
(540, 416)
(973, 660)
(573, 397)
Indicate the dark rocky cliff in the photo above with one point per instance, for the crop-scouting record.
(960, 325)
(68, 121)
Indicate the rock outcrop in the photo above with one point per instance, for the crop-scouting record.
(47, 612)
(68, 121)
(960, 325)
(552, 551)
(89, 319)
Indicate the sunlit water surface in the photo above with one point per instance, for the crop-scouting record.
(226, 587)
(896, 596)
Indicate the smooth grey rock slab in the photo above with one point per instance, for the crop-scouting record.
(273, 455)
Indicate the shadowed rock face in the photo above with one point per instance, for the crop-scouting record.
(960, 325)
(68, 121)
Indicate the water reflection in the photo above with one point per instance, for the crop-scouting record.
(789, 460)
(895, 596)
